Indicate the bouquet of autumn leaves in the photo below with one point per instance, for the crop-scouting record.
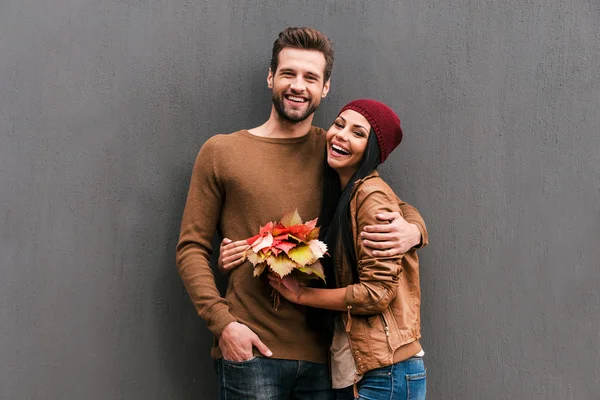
(286, 247)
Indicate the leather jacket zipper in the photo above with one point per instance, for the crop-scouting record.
(386, 328)
(349, 322)
(348, 328)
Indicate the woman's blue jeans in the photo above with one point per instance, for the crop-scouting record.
(404, 380)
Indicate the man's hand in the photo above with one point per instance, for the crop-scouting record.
(236, 343)
(390, 239)
(231, 254)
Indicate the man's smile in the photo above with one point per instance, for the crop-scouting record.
(295, 99)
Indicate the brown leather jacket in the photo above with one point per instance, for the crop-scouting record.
(383, 318)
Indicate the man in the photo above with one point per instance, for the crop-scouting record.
(241, 181)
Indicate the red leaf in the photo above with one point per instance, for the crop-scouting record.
(253, 239)
(279, 237)
(263, 242)
(285, 246)
(267, 228)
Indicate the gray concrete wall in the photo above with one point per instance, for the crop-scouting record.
(104, 104)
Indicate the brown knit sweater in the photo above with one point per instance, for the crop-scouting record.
(240, 182)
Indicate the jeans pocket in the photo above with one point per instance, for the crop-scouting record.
(416, 386)
(248, 361)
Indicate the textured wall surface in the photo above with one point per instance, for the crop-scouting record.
(104, 104)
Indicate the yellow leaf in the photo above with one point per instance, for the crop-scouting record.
(258, 269)
(314, 269)
(253, 257)
(281, 265)
(291, 218)
(302, 254)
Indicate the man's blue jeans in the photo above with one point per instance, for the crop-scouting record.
(266, 378)
(404, 380)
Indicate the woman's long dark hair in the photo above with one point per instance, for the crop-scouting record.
(336, 227)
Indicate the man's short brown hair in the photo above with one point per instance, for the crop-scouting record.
(306, 39)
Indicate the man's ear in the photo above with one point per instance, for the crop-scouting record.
(270, 79)
(326, 88)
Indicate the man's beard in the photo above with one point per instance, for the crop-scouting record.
(279, 107)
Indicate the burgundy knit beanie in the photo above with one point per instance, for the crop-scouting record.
(384, 122)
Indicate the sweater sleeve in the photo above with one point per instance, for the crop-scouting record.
(378, 276)
(412, 216)
(198, 226)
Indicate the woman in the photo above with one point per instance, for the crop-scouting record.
(375, 349)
